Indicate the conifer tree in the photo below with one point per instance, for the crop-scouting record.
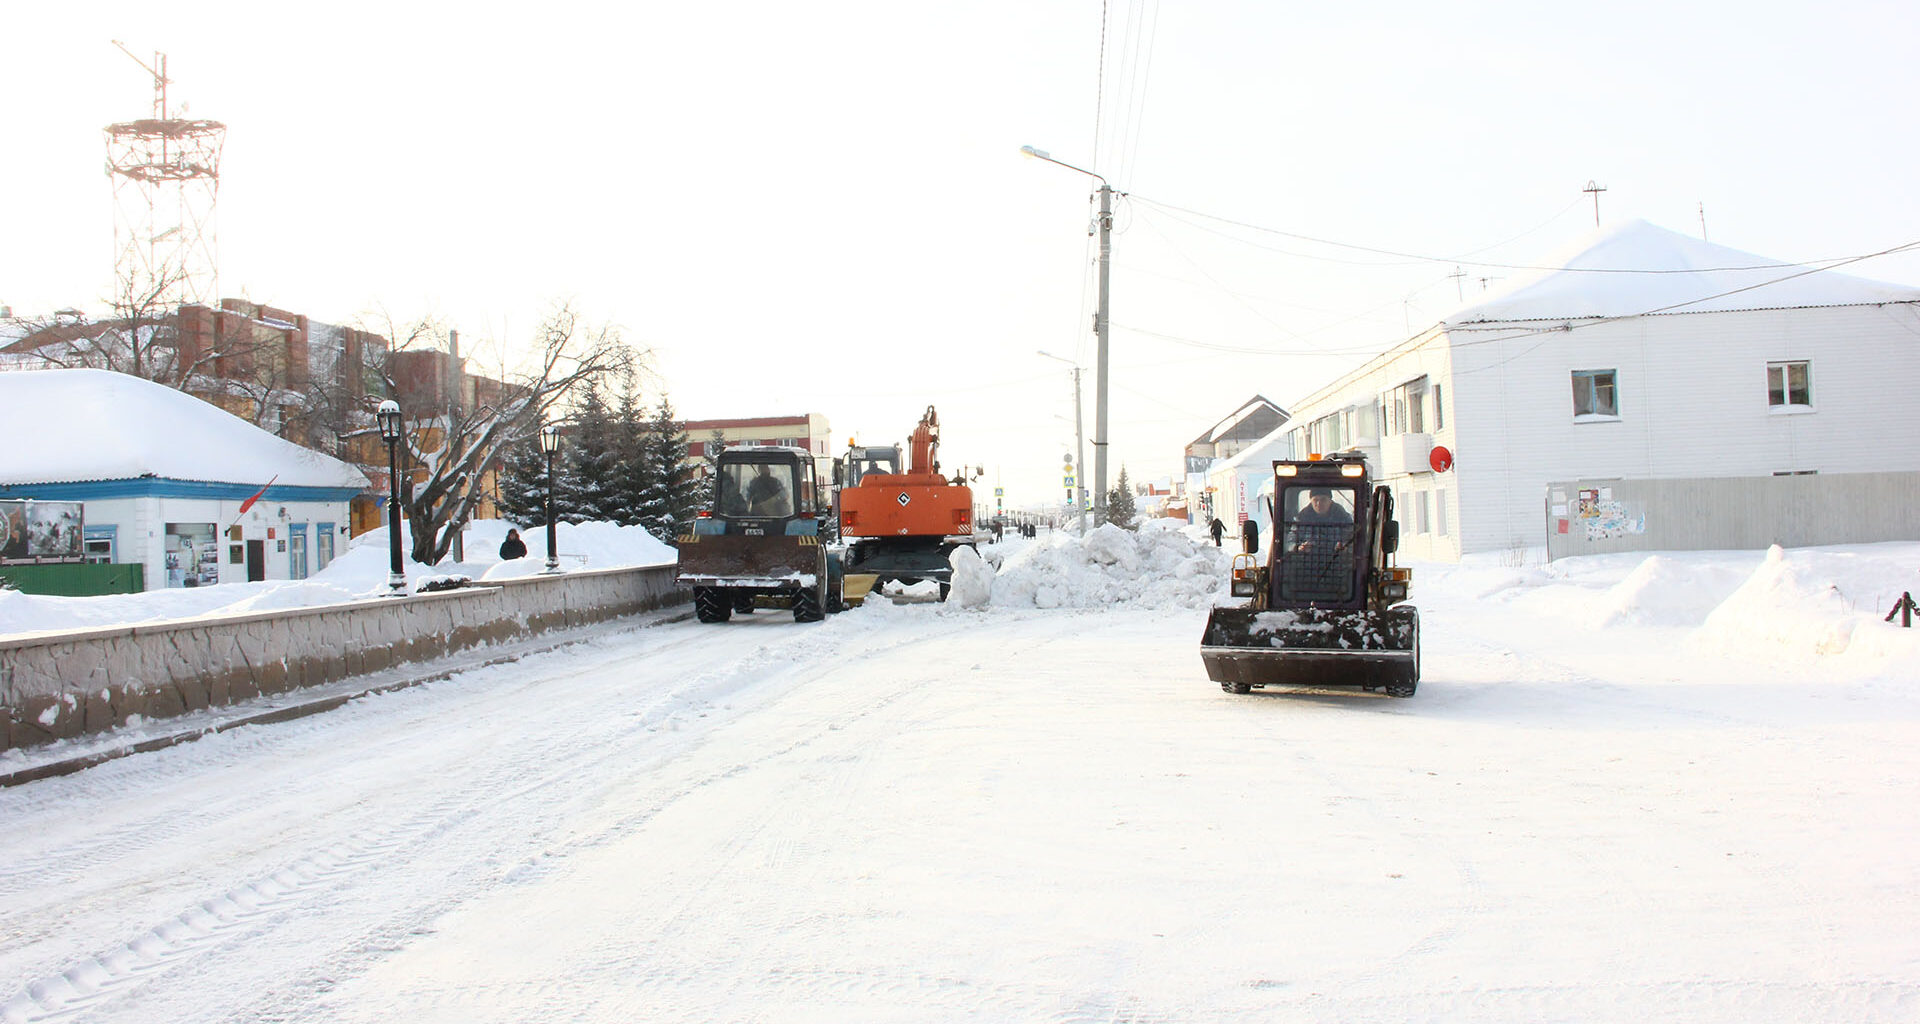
(673, 492)
(523, 483)
(1120, 509)
(589, 490)
(634, 470)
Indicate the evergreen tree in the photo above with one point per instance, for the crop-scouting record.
(589, 490)
(635, 472)
(673, 493)
(523, 483)
(1120, 509)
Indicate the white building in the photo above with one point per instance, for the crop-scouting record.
(1238, 488)
(1644, 355)
(163, 476)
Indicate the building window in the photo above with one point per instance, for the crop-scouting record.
(1422, 512)
(1404, 407)
(1595, 393)
(1789, 386)
(1440, 511)
(1439, 414)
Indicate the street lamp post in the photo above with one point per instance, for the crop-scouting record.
(1079, 444)
(390, 424)
(550, 443)
(1100, 325)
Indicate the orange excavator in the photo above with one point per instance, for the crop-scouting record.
(902, 523)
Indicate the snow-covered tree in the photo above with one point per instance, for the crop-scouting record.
(447, 455)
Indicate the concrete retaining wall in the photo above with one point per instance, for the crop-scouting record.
(63, 685)
(1593, 517)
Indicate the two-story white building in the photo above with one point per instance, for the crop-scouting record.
(1645, 355)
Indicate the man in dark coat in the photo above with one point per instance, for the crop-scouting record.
(1219, 530)
(513, 546)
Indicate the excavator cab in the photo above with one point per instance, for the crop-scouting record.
(1325, 607)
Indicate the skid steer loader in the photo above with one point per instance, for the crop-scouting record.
(1325, 608)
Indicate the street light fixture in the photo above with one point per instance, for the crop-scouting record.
(550, 443)
(1079, 445)
(390, 425)
(1100, 325)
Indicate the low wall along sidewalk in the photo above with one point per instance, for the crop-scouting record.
(57, 686)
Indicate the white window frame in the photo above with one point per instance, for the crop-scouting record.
(1440, 511)
(1777, 385)
(1422, 512)
(1590, 378)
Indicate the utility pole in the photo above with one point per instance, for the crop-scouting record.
(1459, 290)
(1104, 224)
(453, 411)
(1596, 190)
(1100, 324)
(1703, 220)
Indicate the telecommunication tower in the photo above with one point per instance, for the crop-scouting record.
(166, 178)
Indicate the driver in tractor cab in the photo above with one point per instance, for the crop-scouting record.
(1320, 535)
(767, 494)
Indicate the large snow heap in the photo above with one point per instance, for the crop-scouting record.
(1158, 566)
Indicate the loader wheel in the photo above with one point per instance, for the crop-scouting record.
(712, 606)
(1242, 688)
(743, 603)
(1404, 686)
(806, 606)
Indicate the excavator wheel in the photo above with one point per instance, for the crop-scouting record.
(710, 606)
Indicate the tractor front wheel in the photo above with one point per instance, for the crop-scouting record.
(712, 605)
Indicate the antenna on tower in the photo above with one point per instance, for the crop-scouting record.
(165, 172)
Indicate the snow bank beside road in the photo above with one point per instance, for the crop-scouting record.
(358, 573)
(1824, 603)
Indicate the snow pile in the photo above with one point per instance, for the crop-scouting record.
(359, 573)
(1157, 566)
(1670, 590)
(1797, 602)
(972, 578)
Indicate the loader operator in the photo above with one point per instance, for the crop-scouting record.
(1321, 535)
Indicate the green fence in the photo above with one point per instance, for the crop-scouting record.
(75, 579)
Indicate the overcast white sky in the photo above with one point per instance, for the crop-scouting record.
(822, 207)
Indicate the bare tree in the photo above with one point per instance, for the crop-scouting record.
(449, 449)
(247, 371)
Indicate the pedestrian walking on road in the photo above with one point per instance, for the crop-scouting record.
(1219, 530)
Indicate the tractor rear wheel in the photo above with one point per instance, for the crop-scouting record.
(807, 606)
(712, 605)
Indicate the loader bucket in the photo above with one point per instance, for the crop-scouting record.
(1313, 647)
(750, 561)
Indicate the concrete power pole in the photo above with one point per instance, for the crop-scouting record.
(1100, 325)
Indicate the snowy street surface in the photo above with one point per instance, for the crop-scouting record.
(1679, 787)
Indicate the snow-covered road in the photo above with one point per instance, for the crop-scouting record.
(927, 813)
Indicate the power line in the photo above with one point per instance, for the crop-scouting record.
(1463, 259)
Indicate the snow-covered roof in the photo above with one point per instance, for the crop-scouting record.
(1258, 452)
(1638, 268)
(1252, 406)
(83, 425)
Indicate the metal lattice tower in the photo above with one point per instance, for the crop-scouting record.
(166, 178)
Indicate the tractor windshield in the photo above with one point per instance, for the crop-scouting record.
(1317, 543)
(756, 489)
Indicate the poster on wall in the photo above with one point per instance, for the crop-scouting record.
(42, 531)
(192, 555)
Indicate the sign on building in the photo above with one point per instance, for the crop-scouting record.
(41, 531)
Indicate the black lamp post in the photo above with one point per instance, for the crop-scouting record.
(389, 417)
(550, 443)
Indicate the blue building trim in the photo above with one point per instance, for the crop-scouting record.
(164, 487)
